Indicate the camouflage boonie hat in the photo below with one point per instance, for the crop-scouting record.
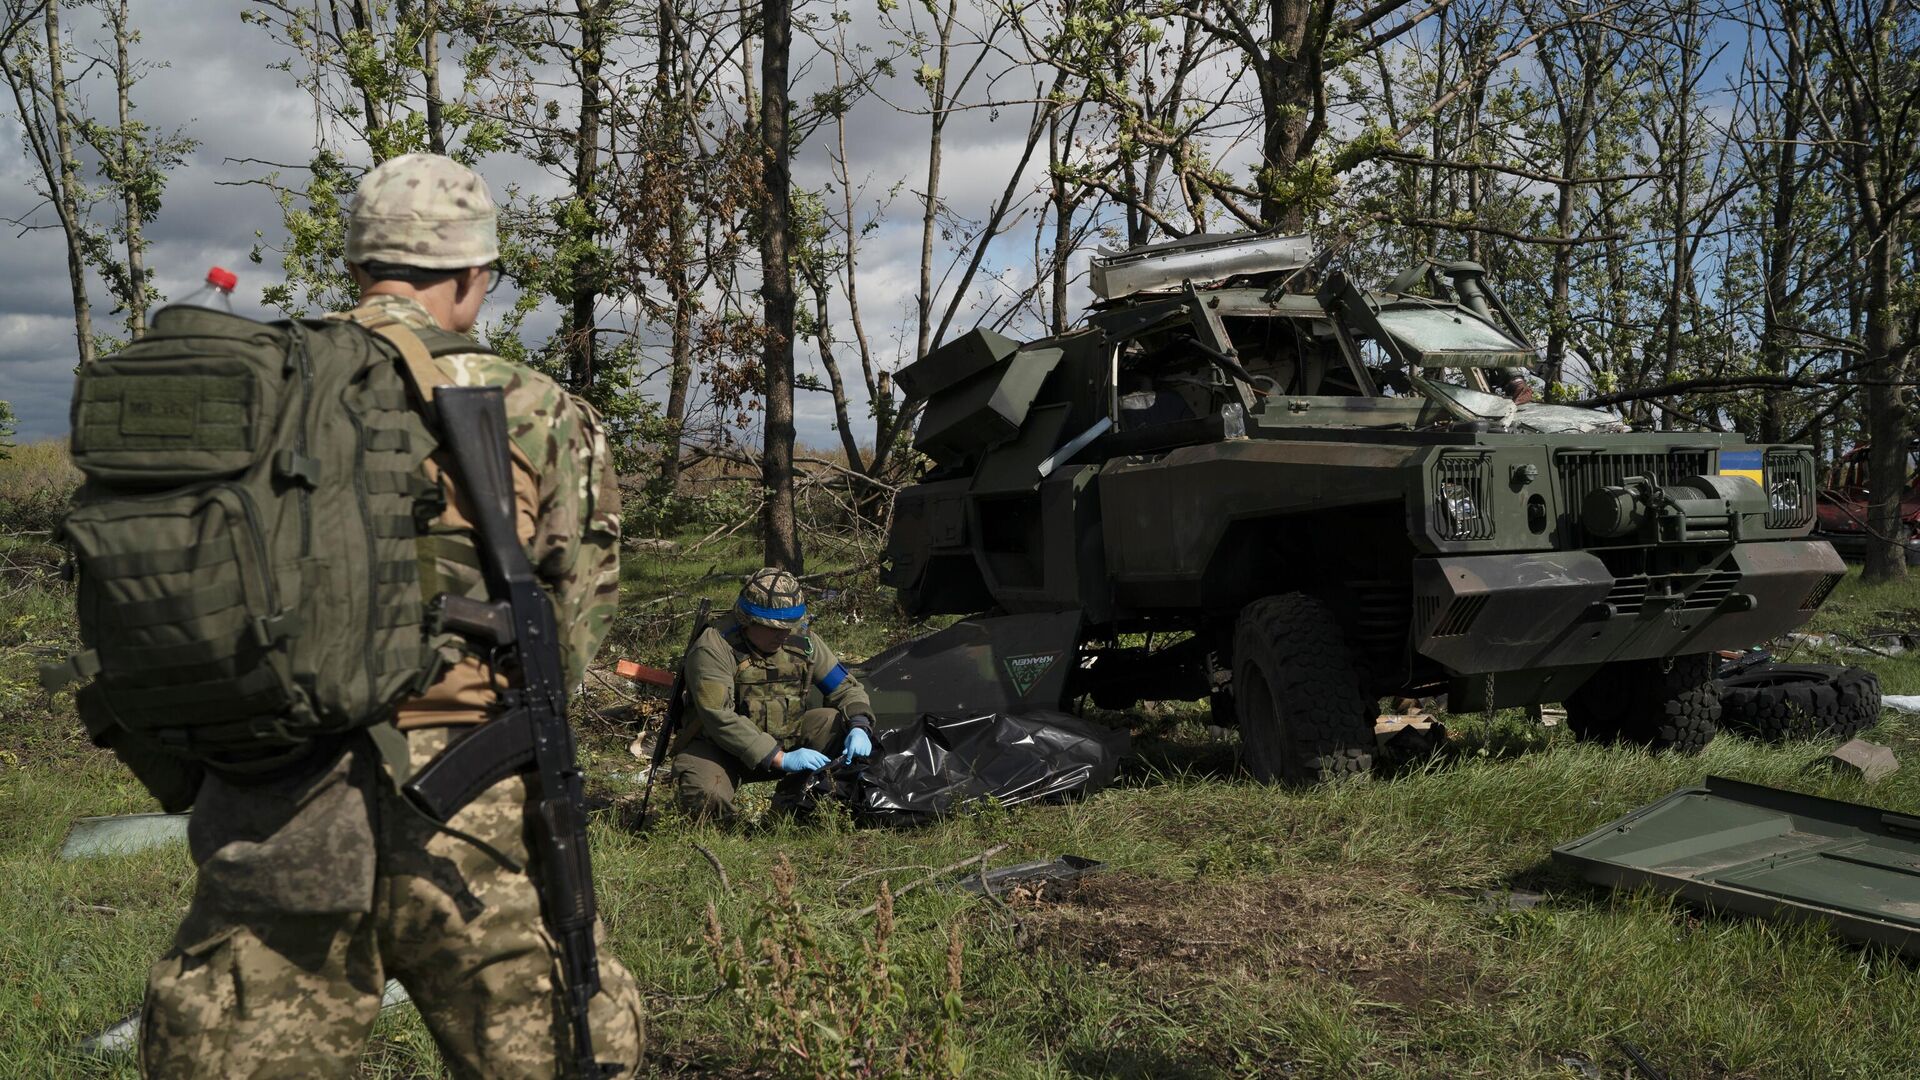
(772, 597)
(423, 210)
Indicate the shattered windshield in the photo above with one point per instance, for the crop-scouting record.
(1465, 403)
(1432, 330)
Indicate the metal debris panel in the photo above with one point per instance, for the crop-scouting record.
(1757, 850)
(123, 834)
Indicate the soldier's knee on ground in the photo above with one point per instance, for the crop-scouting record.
(702, 788)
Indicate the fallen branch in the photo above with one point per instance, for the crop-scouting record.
(725, 882)
(935, 876)
(842, 887)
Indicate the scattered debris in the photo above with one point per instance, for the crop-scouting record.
(123, 1036)
(1498, 899)
(1880, 641)
(649, 544)
(1639, 1059)
(1582, 1065)
(122, 834)
(1553, 716)
(1047, 872)
(1906, 703)
(634, 671)
(120, 1038)
(1867, 760)
(1766, 852)
(1510, 899)
(1391, 724)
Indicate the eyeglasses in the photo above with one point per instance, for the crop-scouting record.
(499, 274)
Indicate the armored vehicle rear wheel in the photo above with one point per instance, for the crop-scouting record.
(1303, 715)
(1665, 704)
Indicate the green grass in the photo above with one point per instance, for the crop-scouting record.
(1240, 930)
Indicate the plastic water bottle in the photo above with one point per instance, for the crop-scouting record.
(216, 294)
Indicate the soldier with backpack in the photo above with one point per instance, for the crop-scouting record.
(263, 528)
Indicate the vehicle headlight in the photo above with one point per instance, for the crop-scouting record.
(1457, 503)
(1787, 476)
(1460, 485)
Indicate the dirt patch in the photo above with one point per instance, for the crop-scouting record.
(1182, 933)
(698, 1061)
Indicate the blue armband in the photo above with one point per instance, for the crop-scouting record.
(831, 680)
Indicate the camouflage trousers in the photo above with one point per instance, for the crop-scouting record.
(313, 891)
(706, 778)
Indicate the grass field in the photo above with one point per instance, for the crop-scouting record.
(1239, 930)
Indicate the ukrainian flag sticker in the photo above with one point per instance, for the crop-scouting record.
(1742, 463)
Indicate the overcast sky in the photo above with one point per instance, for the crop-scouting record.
(216, 84)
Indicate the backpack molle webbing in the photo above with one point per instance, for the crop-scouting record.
(250, 535)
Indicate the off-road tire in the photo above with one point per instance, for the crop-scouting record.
(1778, 702)
(1304, 716)
(1663, 704)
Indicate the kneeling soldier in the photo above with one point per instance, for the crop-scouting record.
(747, 678)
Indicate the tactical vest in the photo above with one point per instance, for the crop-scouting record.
(252, 532)
(772, 690)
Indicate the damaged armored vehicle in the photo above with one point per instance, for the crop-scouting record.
(1247, 479)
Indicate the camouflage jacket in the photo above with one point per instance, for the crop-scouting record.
(749, 704)
(568, 516)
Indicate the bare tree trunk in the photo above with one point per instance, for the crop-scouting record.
(376, 117)
(836, 383)
(130, 150)
(1679, 164)
(436, 121)
(65, 184)
(584, 299)
(1887, 424)
(781, 532)
(1293, 97)
(936, 128)
(670, 93)
(1062, 225)
(1783, 239)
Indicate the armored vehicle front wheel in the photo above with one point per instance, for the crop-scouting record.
(1665, 704)
(1303, 714)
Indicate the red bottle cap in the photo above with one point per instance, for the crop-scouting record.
(222, 279)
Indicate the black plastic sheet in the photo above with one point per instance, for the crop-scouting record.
(937, 764)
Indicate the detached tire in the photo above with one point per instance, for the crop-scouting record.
(1666, 704)
(1304, 717)
(1779, 702)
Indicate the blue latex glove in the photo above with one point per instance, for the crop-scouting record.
(803, 760)
(859, 745)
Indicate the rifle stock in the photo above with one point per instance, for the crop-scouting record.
(473, 424)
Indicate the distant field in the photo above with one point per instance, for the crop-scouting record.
(1240, 930)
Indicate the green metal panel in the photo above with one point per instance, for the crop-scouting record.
(969, 354)
(986, 408)
(1763, 851)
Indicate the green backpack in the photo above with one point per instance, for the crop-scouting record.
(250, 538)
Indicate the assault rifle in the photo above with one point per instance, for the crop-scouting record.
(531, 732)
(676, 709)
